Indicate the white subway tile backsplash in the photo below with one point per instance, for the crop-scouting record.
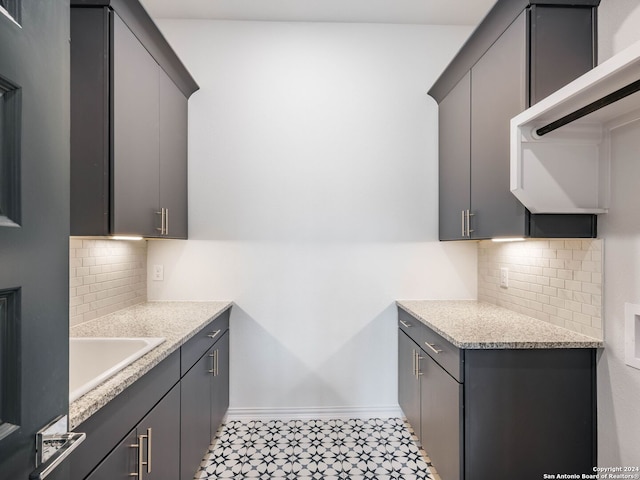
(558, 281)
(105, 276)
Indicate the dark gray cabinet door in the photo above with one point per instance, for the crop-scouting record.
(220, 383)
(455, 159)
(90, 110)
(409, 381)
(561, 40)
(155, 441)
(135, 167)
(498, 93)
(441, 423)
(195, 414)
(121, 463)
(161, 447)
(34, 227)
(173, 157)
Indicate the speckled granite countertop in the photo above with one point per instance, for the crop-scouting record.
(177, 322)
(476, 325)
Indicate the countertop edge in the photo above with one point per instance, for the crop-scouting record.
(502, 345)
(84, 407)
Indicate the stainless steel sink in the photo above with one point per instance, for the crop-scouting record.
(94, 360)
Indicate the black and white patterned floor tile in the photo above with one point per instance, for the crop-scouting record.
(354, 449)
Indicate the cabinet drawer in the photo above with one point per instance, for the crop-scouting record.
(191, 351)
(447, 355)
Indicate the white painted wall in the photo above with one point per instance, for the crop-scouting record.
(619, 384)
(313, 201)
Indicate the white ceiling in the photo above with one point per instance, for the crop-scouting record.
(436, 12)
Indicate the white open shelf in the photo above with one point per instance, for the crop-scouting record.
(567, 170)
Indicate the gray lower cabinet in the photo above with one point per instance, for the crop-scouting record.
(195, 433)
(219, 382)
(409, 380)
(151, 450)
(493, 414)
(441, 417)
(161, 426)
(521, 52)
(205, 400)
(432, 402)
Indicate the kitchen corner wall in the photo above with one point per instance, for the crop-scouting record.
(618, 383)
(105, 276)
(557, 281)
(313, 203)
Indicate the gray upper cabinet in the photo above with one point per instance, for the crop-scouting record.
(520, 53)
(136, 135)
(173, 158)
(129, 94)
(498, 91)
(454, 117)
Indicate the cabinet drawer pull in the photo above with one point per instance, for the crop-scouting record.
(166, 221)
(141, 462)
(405, 324)
(432, 347)
(464, 226)
(214, 334)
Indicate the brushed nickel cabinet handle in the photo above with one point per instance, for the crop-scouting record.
(212, 356)
(166, 221)
(214, 334)
(149, 450)
(162, 214)
(418, 372)
(469, 215)
(405, 324)
(432, 347)
(464, 227)
(140, 457)
(413, 359)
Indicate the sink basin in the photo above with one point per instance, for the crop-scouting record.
(93, 360)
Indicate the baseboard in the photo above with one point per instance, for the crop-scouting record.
(295, 413)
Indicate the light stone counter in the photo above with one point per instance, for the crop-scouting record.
(175, 321)
(471, 324)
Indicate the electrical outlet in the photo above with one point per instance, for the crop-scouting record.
(504, 277)
(158, 273)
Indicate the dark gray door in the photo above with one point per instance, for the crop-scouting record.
(161, 446)
(220, 383)
(135, 175)
(498, 93)
(173, 157)
(195, 414)
(455, 159)
(561, 47)
(34, 231)
(441, 419)
(408, 381)
(121, 463)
